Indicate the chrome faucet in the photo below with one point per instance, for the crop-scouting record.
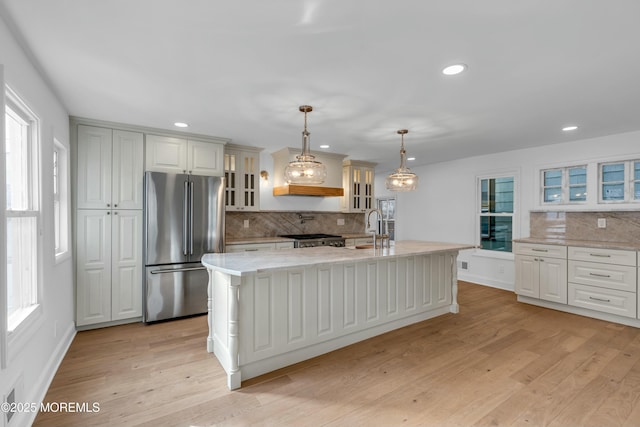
(374, 232)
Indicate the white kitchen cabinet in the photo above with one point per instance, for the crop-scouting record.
(255, 247)
(109, 265)
(180, 155)
(358, 241)
(603, 280)
(110, 168)
(242, 173)
(541, 276)
(358, 183)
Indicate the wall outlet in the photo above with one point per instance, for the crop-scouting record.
(340, 221)
(246, 223)
(464, 265)
(602, 222)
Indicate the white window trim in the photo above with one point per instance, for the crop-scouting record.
(628, 183)
(515, 222)
(3, 238)
(17, 336)
(64, 171)
(565, 186)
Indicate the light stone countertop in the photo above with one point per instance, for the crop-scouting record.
(242, 263)
(582, 243)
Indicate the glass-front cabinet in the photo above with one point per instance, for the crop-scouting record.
(242, 173)
(357, 180)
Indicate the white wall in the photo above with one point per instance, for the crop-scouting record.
(444, 206)
(33, 360)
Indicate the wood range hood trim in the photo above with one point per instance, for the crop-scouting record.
(308, 190)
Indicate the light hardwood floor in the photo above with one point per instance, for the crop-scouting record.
(497, 363)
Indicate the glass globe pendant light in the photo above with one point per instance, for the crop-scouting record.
(402, 179)
(305, 169)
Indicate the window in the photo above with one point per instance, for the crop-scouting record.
(496, 213)
(620, 181)
(22, 210)
(61, 199)
(387, 224)
(564, 185)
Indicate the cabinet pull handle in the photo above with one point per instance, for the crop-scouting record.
(539, 250)
(600, 299)
(250, 250)
(601, 255)
(599, 275)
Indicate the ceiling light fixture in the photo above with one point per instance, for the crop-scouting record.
(452, 70)
(305, 169)
(181, 125)
(402, 179)
(569, 128)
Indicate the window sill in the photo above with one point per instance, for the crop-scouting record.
(24, 325)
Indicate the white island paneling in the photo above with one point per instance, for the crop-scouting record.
(273, 309)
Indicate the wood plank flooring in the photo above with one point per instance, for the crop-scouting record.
(497, 363)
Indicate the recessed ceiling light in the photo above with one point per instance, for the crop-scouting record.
(181, 125)
(325, 146)
(411, 158)
(569, 128)
(452, 70)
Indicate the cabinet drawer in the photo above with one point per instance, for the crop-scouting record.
(607, 256)
(250, 247)
(601, 299)
(620, 277)
(553, 251)
(284, 245)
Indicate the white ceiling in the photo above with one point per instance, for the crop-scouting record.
(240, 69)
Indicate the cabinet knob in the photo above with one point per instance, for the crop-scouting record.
(108, 213)
(115, 213)
(108, 205)
(115, 205)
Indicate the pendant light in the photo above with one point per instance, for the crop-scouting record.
(402, 179)
(305, 169)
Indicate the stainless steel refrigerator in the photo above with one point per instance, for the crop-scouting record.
(184, 219)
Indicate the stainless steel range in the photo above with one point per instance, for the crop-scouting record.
(311, 240)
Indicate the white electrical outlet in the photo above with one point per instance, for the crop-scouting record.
(602, 222)
(340, 221)
(246, 223)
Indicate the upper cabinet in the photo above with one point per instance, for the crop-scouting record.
(178, 155)
(110, 168)
(242, 173)
(357, 180)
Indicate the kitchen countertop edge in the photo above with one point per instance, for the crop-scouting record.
(244, 263)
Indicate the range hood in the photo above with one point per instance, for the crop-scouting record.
(332, 187)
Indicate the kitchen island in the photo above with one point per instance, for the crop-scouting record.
(271, 309)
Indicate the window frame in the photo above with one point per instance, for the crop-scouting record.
(61, 197)
(565, 186)
(22, 319)
(479, 214)
(628, 182)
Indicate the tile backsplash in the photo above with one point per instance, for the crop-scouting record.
(275, 223)
(621, 226)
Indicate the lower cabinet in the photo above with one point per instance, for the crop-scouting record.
(603, 280)
(541, 276)
(254, 247)
(109, 265)
(596, 282)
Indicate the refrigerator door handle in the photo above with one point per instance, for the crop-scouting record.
(185, 213)
(190, 217)
(176, 270)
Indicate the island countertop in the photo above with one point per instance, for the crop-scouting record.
(239, 264)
